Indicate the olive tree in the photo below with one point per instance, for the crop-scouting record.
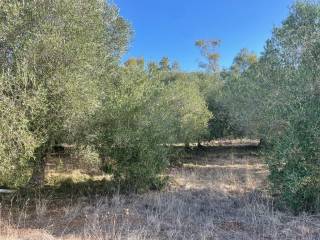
(19, 105)
(278, 99)
(66, 46)
(190, 109)
(132, 126)
(138, 118)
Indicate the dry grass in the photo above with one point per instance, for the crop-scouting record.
(56, 177)
(212, 196)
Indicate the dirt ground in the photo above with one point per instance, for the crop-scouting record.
(212, 195)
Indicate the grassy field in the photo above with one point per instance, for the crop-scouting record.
(218, 194)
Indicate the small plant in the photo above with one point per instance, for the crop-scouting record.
(88, 159)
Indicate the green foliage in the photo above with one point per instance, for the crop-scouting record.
(132, 129)
(164, 64)
(135, 62)
(88, 158)
(278, 99)
(61, 82)
(139, 116)
(191, 114)
(211, 87)
(242, 62)
(209, 52)
(19, 104)
(66, 57)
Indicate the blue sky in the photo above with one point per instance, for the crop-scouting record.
(170, 27)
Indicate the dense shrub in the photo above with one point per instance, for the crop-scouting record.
(72, 89)
(65, 56)
(278, 99)
(19, 104)
(189, 108)
(138, 118)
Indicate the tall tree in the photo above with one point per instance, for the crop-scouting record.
(164, 64)
(208, 49)
(242, 62)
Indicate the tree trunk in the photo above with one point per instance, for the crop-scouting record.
(200, 147)
(38, 173)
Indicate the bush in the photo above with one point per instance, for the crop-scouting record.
(294, 160)
(139, 118)
(17, 142)
(294, 163)
(130, 130)
(56, 94)
(278, 99)
(88, 158)
(188, 108)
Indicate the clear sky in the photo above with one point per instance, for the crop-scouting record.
(170, 27)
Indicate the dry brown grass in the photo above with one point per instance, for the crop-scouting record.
(212, 196)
